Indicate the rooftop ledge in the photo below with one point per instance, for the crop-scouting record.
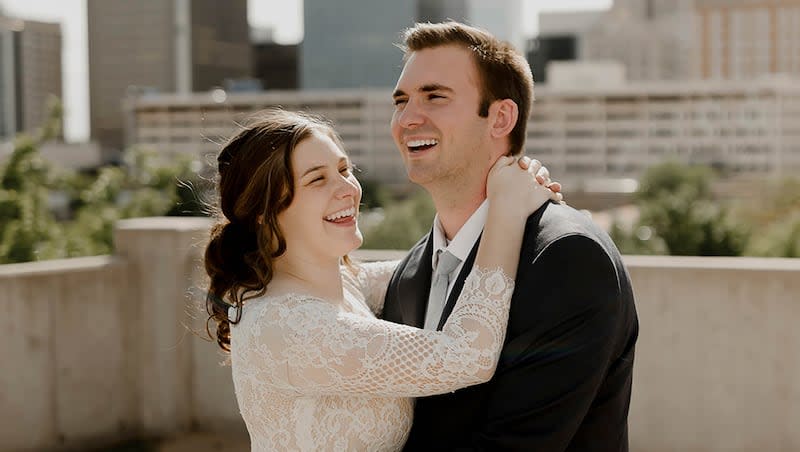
(164, 224)
(63, 266)
(714, 263)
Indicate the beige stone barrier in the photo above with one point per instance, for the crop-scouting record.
(718, 358)
(100, 349)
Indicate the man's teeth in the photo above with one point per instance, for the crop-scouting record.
(418, 143)
(341, 214)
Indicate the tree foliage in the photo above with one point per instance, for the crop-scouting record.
(374, 194)
(775, 216)
(679, 215)
(27, 227)
(404, 223)
(146, 185)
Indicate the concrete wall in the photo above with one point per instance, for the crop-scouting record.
(101, 349)
(65, 353)
(718, 358)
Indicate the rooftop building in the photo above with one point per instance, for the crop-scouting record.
(581, 133)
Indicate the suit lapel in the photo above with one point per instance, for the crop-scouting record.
(459, 284)
(414, 284)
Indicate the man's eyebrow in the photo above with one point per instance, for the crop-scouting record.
(424, 89)
(434, 87)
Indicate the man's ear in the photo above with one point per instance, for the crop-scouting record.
(503, 115)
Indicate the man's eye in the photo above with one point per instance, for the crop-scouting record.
(399, 102)
(435, 96)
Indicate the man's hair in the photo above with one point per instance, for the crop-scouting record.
(503, 72)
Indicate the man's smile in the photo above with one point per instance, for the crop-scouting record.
(419, 145)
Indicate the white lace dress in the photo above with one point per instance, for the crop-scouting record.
(315, 375)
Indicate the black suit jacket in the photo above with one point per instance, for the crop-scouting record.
(564, 377)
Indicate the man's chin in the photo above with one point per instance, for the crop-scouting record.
(423, 178)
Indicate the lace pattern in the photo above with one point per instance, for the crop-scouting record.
(371, 280)
(311, 374)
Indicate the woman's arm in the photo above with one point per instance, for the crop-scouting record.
(314, 348)
(372, 279)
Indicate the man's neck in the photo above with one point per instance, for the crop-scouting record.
(454, 213)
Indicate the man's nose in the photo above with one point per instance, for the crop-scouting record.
(410, 116)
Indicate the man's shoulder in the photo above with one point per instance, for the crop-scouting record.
(554, 222)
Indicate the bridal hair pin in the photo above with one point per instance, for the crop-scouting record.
(237, 308)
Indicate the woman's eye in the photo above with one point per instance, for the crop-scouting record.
(316, 179)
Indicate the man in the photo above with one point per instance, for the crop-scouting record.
(564, 377)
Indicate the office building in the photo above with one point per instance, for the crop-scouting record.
(352, 43)
(581, 133)
(653, 39)
(739, 127)
(745, 39)
(680, 39)
(200, 123)
(559, 39)
(503, 18)
(275, 65)
(168, 46)
(30, 74)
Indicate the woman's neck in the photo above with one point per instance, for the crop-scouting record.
(317, 277)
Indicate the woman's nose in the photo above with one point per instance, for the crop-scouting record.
(347, 187)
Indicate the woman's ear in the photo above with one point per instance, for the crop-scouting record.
(503, 116)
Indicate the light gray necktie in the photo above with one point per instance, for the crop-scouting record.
(439, 283)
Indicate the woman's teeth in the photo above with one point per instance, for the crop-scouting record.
(341, 214)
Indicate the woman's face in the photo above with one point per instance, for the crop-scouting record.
(322, 220)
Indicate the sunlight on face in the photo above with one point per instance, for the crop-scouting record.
(322, 221)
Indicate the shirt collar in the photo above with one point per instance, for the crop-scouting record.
(465, 238)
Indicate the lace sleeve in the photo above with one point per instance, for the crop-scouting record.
(372, 279)
(313, 348)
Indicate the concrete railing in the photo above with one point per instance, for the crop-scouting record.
(718, 358)
(101, 349)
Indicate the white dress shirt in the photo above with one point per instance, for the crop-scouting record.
(462, 243)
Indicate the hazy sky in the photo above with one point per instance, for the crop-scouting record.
(285, 16)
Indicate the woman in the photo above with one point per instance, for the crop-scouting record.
(313, 367)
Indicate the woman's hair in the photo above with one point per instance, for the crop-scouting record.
(255, 185)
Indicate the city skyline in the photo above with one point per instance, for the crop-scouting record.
(284, 16)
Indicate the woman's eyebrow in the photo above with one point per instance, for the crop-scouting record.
(312, 169)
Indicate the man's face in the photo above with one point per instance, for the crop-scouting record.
(435, 124)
